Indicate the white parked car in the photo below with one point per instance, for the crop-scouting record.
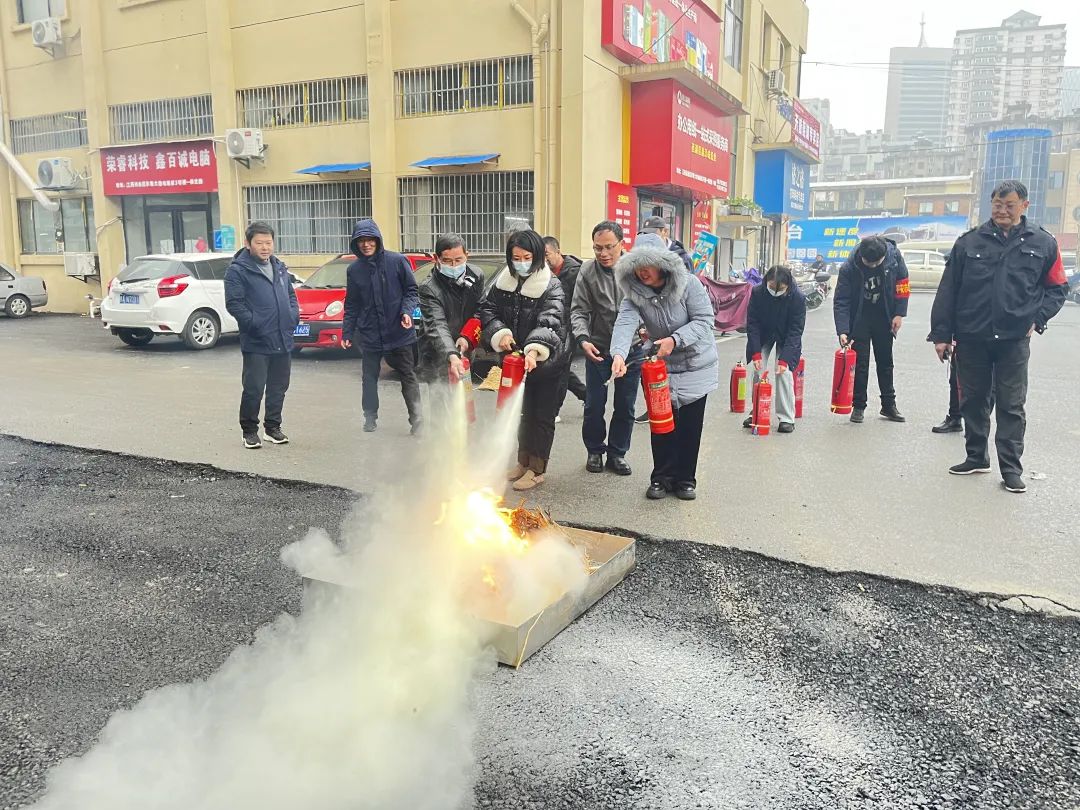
(19, 294)
(925, 268)
(181, 294)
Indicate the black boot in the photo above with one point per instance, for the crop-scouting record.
(892, 414)
(952, 424)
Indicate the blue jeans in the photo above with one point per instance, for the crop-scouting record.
(594, 430)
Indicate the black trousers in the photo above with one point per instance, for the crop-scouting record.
(675, 454)
(994, 374)
(876, 332)
(264, 374)
(403, 361)
(536, 432)
(954, 392)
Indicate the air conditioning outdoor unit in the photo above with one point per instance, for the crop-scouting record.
(46, 33)
(57, 173)
(244, 143)
(776, 82)
(81, 265)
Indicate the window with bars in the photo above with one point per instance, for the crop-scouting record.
(304, 104)
(162, 119)
(28, 11)
(489, 84)
(310, 217)
(74, 221)
(49, 133)
(481, 207)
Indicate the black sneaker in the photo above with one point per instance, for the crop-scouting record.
(786, 427)
(892, 414)
(642, 419)
(656, 491)
(968, 467)
(275, 436)
(950, 425)
(857, 415)
(369, 424)
(1013, 482)
(594, 463)
(748, 422)
(252, 441)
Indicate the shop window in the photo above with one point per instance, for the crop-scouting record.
(733, 24)
(310, 217)
(481, 207)
(489, 84)
(39, 227)
(30, 10)
(163, 119)
(49, 133)
(303, 104)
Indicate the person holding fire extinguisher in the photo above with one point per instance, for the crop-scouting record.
(449, 298)
(775, 321)
(525, 310)
(871, 303)
(660, 292)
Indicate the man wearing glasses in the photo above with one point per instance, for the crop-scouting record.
(1003, 281)
(592, 318)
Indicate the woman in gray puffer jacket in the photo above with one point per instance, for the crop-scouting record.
(660, 292)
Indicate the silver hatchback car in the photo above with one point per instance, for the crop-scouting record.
(19, 294)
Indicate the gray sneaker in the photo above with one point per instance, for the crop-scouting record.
(252, 441)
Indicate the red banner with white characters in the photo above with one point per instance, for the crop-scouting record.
(677, 138)
(622, 208)
(805, 129)
(701, 222)
(161, 168)
(651, 31)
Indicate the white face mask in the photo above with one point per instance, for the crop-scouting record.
(452, 272)
(522, 268)
(774, 293)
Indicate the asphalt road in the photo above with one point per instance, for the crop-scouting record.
(873, 498)
(710, 678)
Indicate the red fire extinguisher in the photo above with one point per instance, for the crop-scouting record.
(843, 380)
(762, 412)
(738, 388)
(466, 383)
(513, 373)
(654, 382)
(800, 384)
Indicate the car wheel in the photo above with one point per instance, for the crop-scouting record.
(17, 306)
(135, 337)
(201, 330)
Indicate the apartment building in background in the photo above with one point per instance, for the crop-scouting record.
(918, 92)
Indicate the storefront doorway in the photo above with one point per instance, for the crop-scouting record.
(671, 210)
(169, 223)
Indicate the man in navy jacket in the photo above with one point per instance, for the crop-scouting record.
(871, 303)
(381, 296)
(260, 295)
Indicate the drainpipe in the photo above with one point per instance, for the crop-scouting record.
(537, 31)
(20, 172)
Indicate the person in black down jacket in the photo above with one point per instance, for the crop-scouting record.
(448, 299)
(566, 267)
(525, 310)
(774, 328)
(380, 298)
(258, 293)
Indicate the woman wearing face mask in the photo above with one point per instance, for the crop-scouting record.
(774, 327)
(660, 292)
(524, 311)
(448, 299)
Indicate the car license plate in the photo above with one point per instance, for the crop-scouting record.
(126, 298)
(302, 330)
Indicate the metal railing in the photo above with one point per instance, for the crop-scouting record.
(304, 104)
(481, 207)
(488, 84)
(162, 119)
(49, 133)
(310, 217)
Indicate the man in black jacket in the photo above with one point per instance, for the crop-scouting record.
(566, 269)
(448, 300)
(660, 227)
(259, 294)
(1003, 281)
(871, 302)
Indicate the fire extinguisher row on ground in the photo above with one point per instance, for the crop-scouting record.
(843, 390)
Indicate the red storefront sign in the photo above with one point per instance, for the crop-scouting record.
(677, 138)
(163, 168)
(702, 221)
(805, 129)
(622, 208)
(651, 31)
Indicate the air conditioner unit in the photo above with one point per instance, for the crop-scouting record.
(57, 173)
(776, 82)
(81, 265)
(244, 143)
(46, 33)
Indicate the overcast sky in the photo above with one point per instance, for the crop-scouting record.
(846, 31)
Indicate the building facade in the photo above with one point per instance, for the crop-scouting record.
(559, 115)
(904, 196)
(918, 92)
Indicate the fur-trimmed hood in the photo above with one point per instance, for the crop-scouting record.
(535, 285)
(669, 264)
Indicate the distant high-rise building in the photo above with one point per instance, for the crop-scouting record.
(918, 93)
(1070, 91)
(1019, 154)
(995, 68)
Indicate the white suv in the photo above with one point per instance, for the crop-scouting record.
(174, 294)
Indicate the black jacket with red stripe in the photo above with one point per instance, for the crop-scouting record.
(997, 285)
(849, 289)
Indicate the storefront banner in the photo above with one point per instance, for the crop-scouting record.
(781, 184)
(652, 31)
(805, 129)
(705, 248)
(165, 168)
(835, 238)
(701, 221)
(622, 208)
(679, 139)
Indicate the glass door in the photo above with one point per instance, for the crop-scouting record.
(195, 231)
(160, 234)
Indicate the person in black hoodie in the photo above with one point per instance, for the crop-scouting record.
(448, 300)
(775, 321)
(525, 310)
(566, 267)
(380, 299)
(259, 295)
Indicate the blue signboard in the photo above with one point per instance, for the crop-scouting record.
(225, 239)
(781, 184)
(835, 238)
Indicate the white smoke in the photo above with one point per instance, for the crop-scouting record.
(361, 702)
